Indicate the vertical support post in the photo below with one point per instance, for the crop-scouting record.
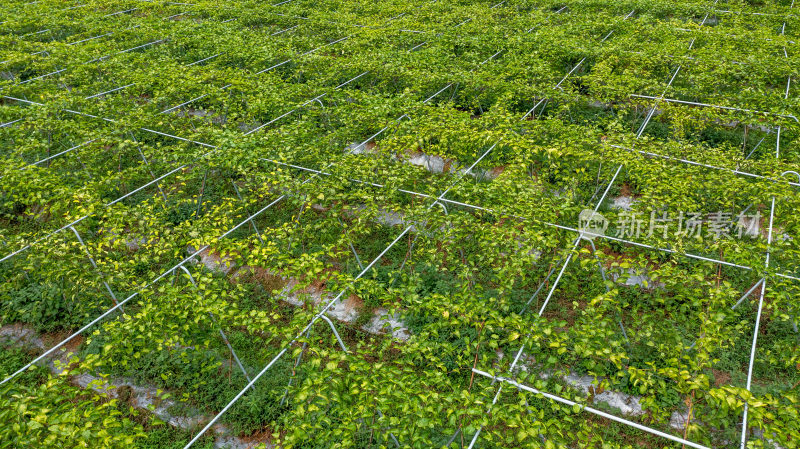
(83, 166)
(247, 211)
(669, 84)
(94, 264)
(757, 325)
(541, 285)
(605, 284)
(221, 332)
(202, 192)
(149, 169)
(350, 243)
(576, 243)
(296, 364)
(743, 441)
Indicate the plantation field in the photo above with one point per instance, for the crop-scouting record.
(406, 223)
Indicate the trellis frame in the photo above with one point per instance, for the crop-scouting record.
(441, 200)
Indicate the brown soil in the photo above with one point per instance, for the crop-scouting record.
(497, 171)
(354, 302)
(259, 437)
(448, 163)
(52, 338)
(721, 378)
(269, 281)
